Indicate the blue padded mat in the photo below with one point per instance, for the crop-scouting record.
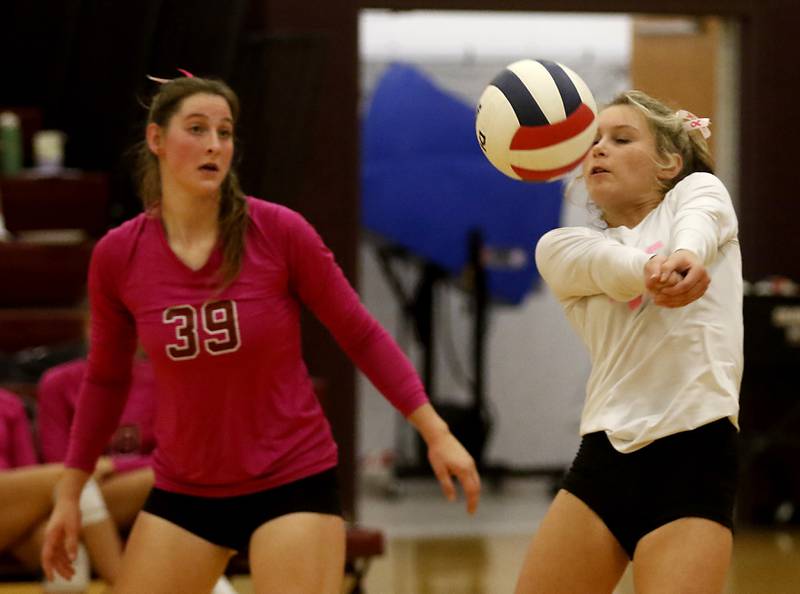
(426, 184)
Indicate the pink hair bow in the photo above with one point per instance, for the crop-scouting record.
(161, 81)
(692, 122)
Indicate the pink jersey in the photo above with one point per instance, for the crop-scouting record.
(236, 410)
(16, 441)
(133, 441)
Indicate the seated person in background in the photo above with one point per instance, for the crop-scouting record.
(126, 476)
(126, 471)
(16, 441)
(26, 499)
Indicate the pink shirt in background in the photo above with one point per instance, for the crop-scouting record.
(16, 440)
(133, 441)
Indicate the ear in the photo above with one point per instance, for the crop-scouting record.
(154, 138)
(673, 169)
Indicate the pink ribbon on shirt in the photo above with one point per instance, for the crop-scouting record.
(634, 303)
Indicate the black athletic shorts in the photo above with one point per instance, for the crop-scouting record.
(230, 521)
(688, 474)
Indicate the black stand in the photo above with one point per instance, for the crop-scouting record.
(769, 492)
(470, 423)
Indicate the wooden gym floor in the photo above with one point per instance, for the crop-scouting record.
(433, 547)
(764, 562)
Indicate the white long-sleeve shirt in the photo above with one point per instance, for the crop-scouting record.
(655, 370)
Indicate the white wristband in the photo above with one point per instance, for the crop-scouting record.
(92, 505)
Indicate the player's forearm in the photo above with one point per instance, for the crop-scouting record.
(72, 483)
(577, 262)
(428, 423)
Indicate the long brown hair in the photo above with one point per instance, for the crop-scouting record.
(233, 216)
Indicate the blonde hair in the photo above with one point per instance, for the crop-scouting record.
(670, 136)
(233, 216)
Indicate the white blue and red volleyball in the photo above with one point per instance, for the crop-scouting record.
(536, 120)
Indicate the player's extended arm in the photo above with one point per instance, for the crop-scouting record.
(579, 262)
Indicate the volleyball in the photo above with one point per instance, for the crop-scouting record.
(536, 120)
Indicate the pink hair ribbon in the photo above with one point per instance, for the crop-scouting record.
(692, 122)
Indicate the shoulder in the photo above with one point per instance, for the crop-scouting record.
(121, 239)
(126, 231)
(266, 211)
(10, 404)
(700, 190)
(271, 219)
(116, 250)
(71, 372)
(699, 182)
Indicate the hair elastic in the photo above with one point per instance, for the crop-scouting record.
(161, 81)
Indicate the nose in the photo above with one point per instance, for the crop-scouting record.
(213, 143)
(599, 148)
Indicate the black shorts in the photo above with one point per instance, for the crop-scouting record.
(688, 474)
(230, 521)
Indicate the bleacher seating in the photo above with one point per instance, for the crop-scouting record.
(53, 220)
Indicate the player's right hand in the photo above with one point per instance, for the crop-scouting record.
(60, 546)
(449, 458)
(682, 266)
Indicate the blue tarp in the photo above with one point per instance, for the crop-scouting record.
(426, 184)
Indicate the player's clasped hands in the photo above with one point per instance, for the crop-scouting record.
(676, 280)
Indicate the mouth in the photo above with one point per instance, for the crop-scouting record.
(213, 167)
(596, 170)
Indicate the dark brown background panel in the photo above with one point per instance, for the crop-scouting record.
(319, 180)
(23, 328)
(71, 200)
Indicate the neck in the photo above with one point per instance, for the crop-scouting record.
(189, 218)
(630, 215)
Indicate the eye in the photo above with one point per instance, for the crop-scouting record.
(225, 134)
(622, 140)
(196, 129)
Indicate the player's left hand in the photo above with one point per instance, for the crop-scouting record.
(448, 458)
(693, 284)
